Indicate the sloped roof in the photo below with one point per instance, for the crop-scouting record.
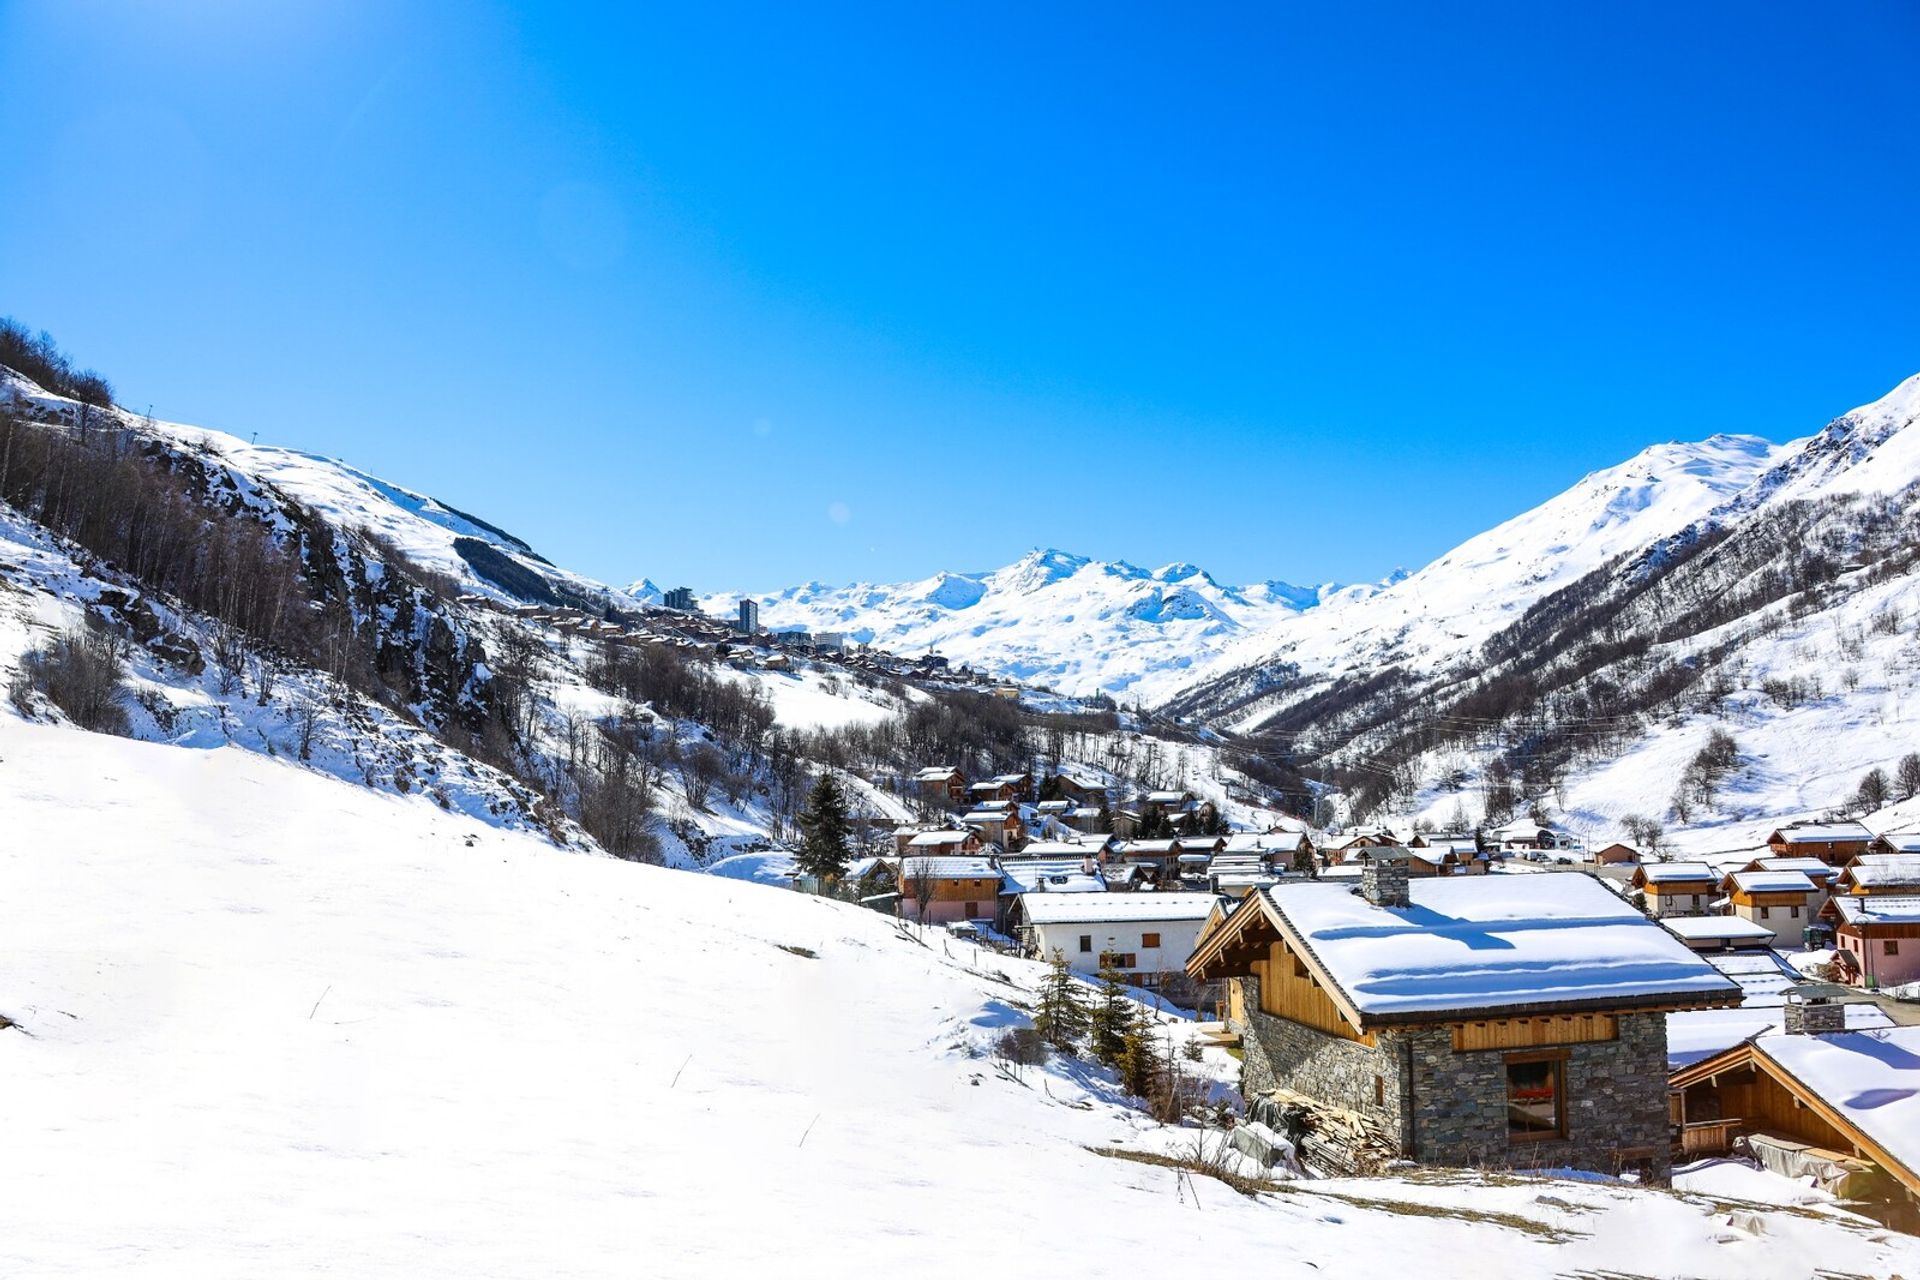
(1870, 1078)
(949, 868)
(1715, 928)
(939, 839)
(1471, 945)
(1879, 908)
(1821, 832)
(1878, 869)
(1667, 872)
(1901, 841)
(1808, 866)
(1771, 882)
(1043, 908)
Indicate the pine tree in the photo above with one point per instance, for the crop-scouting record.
(1060, 1020)
(1136, 1061)
(826, 832)
(1111, 1016)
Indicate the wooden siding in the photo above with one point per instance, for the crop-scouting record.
(1288, 991)
(1531, 1033)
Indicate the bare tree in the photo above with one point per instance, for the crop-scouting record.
(1907, 775)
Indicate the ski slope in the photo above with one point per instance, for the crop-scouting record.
(272, 1024)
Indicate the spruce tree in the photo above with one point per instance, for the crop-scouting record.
(1060, 1019)
(825, 830)
(1112, 1014)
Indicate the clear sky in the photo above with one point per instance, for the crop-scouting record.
(744, 296)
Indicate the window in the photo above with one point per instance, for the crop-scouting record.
(973, 911)
(1148, 941)
(1794, 912)
(1117, 959)
(1766, 913)
(1379, 1091)
(1536, 1096)
(1890, 947)
(1086, 942)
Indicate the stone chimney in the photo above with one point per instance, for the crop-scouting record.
(1383, 882)
(1816, 1009)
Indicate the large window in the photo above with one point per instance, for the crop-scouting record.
(1149, 941)
(1536, 1096)
(1117, 960)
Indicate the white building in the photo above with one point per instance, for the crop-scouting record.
(1146, 935)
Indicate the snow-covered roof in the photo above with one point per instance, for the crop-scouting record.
(1061, 849)
(1485, 943)
(1879, 908)
(1667, 872)
(1168, 797)
(1875, 870)
(1050, 875)
(1811, 867)
(1716, 928)
(949, 868)
(936, 773)
(1149, 848)
(1043, 908)
(1901, 841)
(939, 839)
(1697, 1034)
(1822, 832)
(1872, 1078)
(1772, 882)
(1198, 842)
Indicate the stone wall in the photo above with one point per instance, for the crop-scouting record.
(1616, 1092)
(1340, 1073)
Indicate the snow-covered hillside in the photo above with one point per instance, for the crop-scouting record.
(265, 1023)
(1077, 625)
(1434, 617)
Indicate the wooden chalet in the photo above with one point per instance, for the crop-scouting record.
(1676, 888)
(1616, 854)
(1782, 902)
(941, 785)
(1835, 843)
(1882, 873)
(936, 889)
(1514, 1023)
(1817, 1102)
(1892, 842)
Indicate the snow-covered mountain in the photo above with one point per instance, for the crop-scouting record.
(1079, 625)
(1086, 626)
(1434, 617)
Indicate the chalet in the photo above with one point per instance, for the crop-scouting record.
(1087, 818)
(908, 840)
(1234, 875)
(1782, 902)
(941, 785)
(1876, 937)
(1895, 842)
(1676, 888)
(1880, 873)
(1720, 933)
(943, 889)
(998, 821)
(1820, 872)
(1531, 835)
(1158, 859)
(1517, 1022)
(1341, 847)
(1166, 803)
(1146, 936)
(1836, 843)
(1817, 1102)
(1079, 787)
(1616, 854)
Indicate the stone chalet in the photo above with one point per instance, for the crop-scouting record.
(1516, 1022)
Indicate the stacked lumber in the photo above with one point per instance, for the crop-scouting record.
(1331, 1139)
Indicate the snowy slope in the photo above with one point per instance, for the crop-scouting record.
(1078, 625)
(1440, 614)
(270, 1024)
(424, 529)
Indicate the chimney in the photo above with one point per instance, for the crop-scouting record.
(1383, 882)
(1816, 1009)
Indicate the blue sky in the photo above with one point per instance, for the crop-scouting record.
(757, 294)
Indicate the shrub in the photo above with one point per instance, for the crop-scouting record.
(81, 672)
